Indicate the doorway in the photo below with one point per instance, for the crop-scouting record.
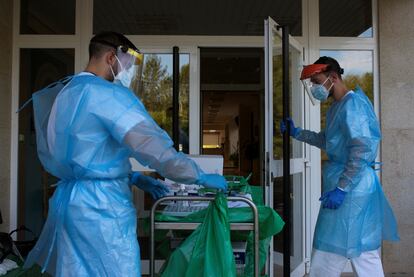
(231, 85)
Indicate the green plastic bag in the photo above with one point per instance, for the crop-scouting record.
(207, 251)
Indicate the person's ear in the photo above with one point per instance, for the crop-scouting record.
(110, 58)
(335, 77)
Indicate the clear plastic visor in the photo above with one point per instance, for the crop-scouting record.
(307, 84)
(132, 62)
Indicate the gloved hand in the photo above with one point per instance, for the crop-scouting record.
(333, 199)
(294, 131)
(213, 181)
(149, 184)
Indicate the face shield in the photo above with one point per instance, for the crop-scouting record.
(306, 75)
(130, 64)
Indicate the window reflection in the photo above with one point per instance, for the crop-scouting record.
(155, 91)
(295, 100)
(358, 71)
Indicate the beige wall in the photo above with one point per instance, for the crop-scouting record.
(396, 53)
(5, 104)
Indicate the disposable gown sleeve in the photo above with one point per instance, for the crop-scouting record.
(152, 147)
(312, 138)
(361, 128)
(124, 115)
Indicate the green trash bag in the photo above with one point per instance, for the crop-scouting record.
(207, 251)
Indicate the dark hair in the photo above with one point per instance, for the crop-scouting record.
(333, 65)
(106, 41)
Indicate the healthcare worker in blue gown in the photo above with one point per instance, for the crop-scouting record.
(355, 215)
(87, 127)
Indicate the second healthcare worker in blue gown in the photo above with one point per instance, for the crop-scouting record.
(355, 215)
(87, 128)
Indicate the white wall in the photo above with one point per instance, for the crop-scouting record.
(396, 46)
(5, 104)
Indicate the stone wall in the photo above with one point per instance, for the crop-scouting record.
(396, 54)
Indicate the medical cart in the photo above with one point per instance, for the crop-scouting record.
(241, 226)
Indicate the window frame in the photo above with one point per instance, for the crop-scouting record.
(315, 44)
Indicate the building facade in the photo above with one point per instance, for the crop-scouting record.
(223, 79)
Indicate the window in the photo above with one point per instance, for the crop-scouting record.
(216, 18)
(156, 93)
(351, 18)
(295, 100)
(47, 17)
(358, 71)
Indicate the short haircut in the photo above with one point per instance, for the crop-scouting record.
(333, 65)
(107, 41)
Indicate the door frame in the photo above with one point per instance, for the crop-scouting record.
(274, 168)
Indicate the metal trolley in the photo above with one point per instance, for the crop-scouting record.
(242, 226)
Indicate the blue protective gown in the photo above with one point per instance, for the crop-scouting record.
(81, 127)
(351, 140)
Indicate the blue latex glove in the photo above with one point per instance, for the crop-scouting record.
(333, 199)
(149, 184)
(213, 181)
(294, 131)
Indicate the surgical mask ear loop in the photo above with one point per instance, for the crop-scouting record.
(120, 64)
(332, 84)
(112, 70)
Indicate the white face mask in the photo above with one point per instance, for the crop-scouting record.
(124, 76)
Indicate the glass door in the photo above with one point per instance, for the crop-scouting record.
(38, 67)
(274, 148)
